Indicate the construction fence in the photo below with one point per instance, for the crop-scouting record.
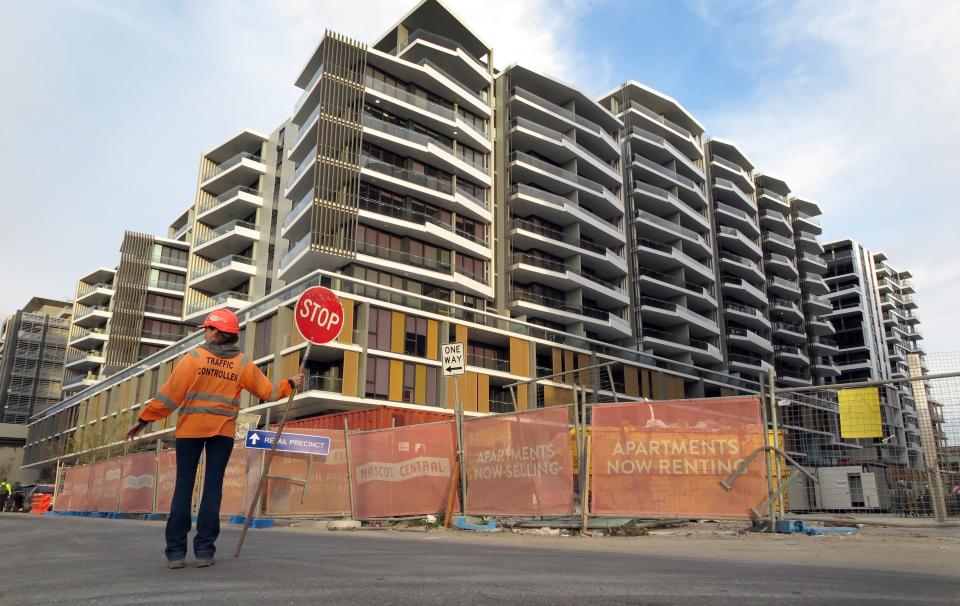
(668, 459)
(890, 447)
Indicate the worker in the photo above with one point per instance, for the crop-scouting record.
(5, 492)
(206, 382)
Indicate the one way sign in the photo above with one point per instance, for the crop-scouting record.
(451, 355)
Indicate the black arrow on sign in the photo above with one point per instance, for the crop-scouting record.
(450, 368)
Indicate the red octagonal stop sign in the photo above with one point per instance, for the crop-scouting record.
(319, 315)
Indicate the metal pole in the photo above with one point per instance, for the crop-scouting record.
(776, 438)
(346, 448)
(269, 460)
(766, 444)
(613, 386)
(458, 419)
(156, 475)
(585, 495)
(927, 437)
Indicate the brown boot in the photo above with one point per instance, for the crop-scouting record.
(175, 564)
(204, 563)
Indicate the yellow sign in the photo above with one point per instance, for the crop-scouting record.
(860, 413)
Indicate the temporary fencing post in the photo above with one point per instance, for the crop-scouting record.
(458, 419)
(346, 448)
(585, 495)
(269, 458)
(772, 519)
(613, 386)
(451, 494)
(776, 437)
(927, 438)
(156, 475)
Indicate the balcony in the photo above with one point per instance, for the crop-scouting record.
(665, 313)
(815, 284)
(657, 148)
(749, 340)
(663, 343)
(750, 365)
(242, 169)
(95, 294)
(526, 234)
(776, 222)
(662, 285)
(789, 331)
(226, 300)
(78, 381)
(743, 290)
(664, 257)
(564, 119)
(781, 266)
(823, 346)
(807, 222)
(748, 316)
(451, 55)
(812, 264)
(736, 218)
(734, 241)
(92, 316)
(785, 310)
(424, 187)
(167, 285)
(817, 305)
(773, 200)
(680, 137)
(562, 149)
(783, 288)
(650, 225)
(302, 181)
(236, 203)
(497, 363)
(534, 305)
(84, 361)
(662, 202)
(88, 339)
(742, 267)
(529, 169)
(527, 200)
(228, 239)
(776, 243)
(732, 172)
(727, 192)
(791, 378)
(654, 174)
(169, 261)
(820, 327)
(824, 367)
(223, 274)
(527, 268)
(807, 242)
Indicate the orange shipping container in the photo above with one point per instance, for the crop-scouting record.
(376, 417)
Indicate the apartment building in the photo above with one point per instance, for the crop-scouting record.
(862, 354)
(123, 314)
(670, 239)
(563, 239)
(231, 224)
(743, 290)
(33, 343)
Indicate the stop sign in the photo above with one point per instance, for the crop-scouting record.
(319, 315)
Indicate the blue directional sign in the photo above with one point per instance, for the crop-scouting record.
(289, 442)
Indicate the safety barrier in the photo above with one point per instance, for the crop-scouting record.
(647, 458)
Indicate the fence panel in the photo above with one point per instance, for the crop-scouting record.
(667, 458)
(519, 463)
(327, 491)
(108, 495)
(97, 473)
(166, 479)
(75, 485)
(402, 471)
(139, 480)
(235, 481)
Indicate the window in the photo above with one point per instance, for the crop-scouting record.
(380, 329)
(161, 329)
(167, 279)
(263, 337)
(160, 304)
(409, 382)
(378, 378)
(472, 268)
(415, 337)
(169, 255)
(472, 230)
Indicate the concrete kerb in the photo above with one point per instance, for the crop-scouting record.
(893, 522)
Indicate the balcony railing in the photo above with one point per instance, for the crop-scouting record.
(662, 120)
(643, 215)
(552, 302)
(547, 232)
(406, 258)
(225, 228)
(419, 34)
(89, 288)
(306, 90)
(566, 113)
(220, 264)
(214, 202)
(489, 362)
(90, 309)
(410, 176)
(230, 163)
(308, 161)
(563, 173)
(789, 284)
(775, 237)
(409, 98)
(298, 248)
(664, 171)
(772, 195)
(807, 217)
(728, 164)
(528, 259)
(559, 138)
(788, 326)
(218, 299)
(740, 260)
(169, 260)
(166, 284)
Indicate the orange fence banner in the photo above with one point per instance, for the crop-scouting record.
(235, 481)
(327, 491)
(109, 496)
(166, 479)
(73, 497)
(97, 472)
(136, 494)
(667, 458)
(519, 463)
(402, 471)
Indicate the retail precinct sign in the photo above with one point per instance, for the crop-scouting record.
(289, 442)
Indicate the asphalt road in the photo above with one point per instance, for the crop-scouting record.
(50, 560)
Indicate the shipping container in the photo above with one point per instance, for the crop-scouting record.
(375, 417)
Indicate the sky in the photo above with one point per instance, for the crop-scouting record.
(108, 105)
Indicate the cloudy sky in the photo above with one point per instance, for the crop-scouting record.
(107, 106)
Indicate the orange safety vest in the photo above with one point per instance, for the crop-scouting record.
(207, 385)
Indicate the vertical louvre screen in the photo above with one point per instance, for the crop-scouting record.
(128, 302)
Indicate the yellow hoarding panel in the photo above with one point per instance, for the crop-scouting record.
(860, 413)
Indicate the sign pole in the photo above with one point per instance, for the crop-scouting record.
(318, 316)
(458, 416)
(346, 449)
(268, 460)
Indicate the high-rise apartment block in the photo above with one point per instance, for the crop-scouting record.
(33, 342)
(446, 200)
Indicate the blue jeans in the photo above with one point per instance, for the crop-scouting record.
(208, 518)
